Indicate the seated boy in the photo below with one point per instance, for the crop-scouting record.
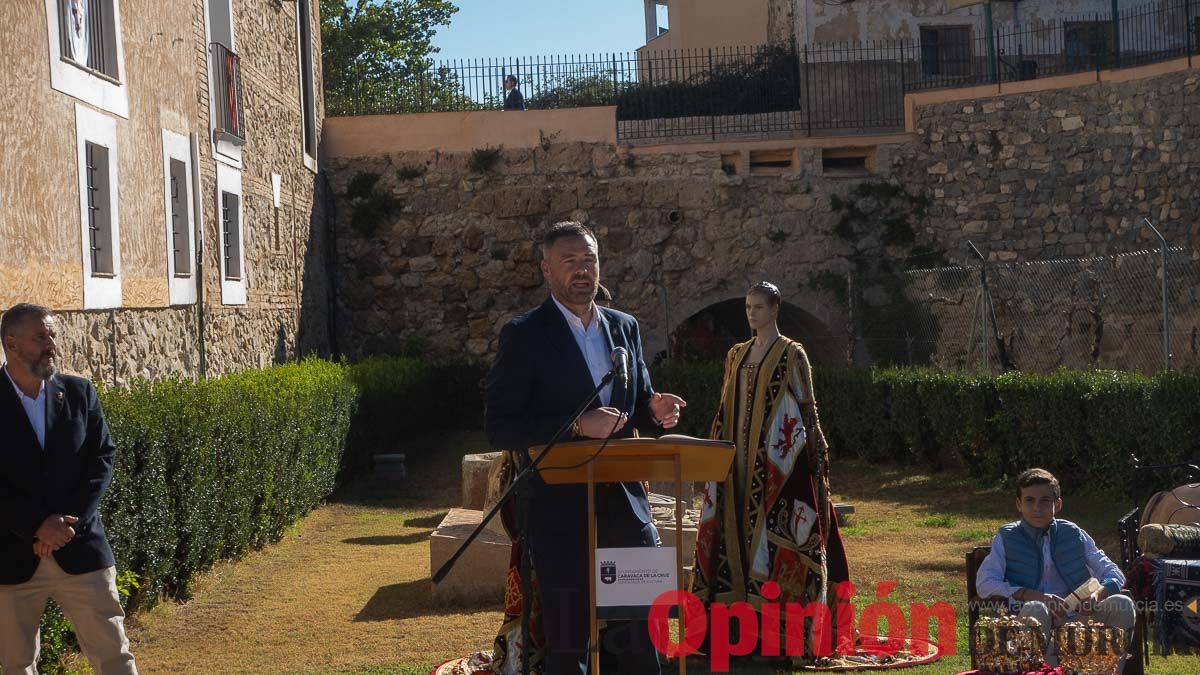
(1039, 560)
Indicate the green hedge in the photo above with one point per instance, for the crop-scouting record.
(1082, 425)
(212, 469)
(402, 396)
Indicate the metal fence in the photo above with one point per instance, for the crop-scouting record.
(817, 89)
(665, 94)
(1070, 43)
(1104, 312)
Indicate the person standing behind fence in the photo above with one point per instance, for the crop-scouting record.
(56, 465)
(513, 100)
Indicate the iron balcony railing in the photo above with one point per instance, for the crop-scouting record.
(229, 125)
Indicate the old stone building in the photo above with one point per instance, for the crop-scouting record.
(160, 187)
(953, 31)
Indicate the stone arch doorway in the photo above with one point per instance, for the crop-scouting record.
(708, 334)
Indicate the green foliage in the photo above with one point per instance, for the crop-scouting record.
(587, 86)
(844, 228)
(213, 469)
(58, 639)
(939, 520)
(370, 206)
(401, 396)
(1081, 425)
(698, 383)
(897, 232)
(889, 210)
(546, 142)
(484, 159)
(410, 172)
(765, 82)
(362, 185)
(978, 535)
(835, 283)
(377, 51)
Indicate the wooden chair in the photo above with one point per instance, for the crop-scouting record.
(1127, 530)
(976, 604)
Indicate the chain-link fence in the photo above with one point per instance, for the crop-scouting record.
(1105, 312)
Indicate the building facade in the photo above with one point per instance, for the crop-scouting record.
(162, 191)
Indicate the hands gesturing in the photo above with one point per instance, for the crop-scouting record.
(666, 409)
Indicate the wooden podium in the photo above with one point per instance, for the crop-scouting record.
(669, 458)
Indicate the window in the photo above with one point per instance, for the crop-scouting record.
(177, 193)
(855, 161)
(1087, 44)
(179, 217)
(88, 35)
(231, 235)
(99, 208)
(771, 162)
(96, 139)
(946, 51)
(86, 57)
(307, 87)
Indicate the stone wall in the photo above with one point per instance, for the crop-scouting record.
(1068, 172)
(1025, 177)
(677, 234)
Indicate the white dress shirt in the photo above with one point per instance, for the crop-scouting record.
(990, 579)
(35, 408)
(592, 344)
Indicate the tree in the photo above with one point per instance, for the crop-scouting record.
(377, 52)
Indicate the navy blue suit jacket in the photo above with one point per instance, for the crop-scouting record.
(68, 477)
(538, 379)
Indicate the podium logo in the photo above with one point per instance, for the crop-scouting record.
(608, 572)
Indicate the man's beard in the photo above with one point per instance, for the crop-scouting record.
(43, 368)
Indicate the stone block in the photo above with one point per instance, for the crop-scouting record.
(843, 512)
(475, 470)
(389, 466)
(479, 575)
(667, 534)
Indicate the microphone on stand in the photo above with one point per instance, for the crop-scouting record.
(620, 363)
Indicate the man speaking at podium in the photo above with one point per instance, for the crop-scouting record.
(548, 362)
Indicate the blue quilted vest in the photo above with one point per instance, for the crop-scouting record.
(1023, 557)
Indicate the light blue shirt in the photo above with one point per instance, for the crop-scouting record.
(990, 579)
(592, 345)
(35, 408)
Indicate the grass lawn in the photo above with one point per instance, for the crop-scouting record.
(347, 590)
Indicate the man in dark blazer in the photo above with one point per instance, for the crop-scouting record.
(55, 465)
(549, 360)
(513, 100)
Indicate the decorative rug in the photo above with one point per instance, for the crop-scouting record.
(872, 654)
(476, 664)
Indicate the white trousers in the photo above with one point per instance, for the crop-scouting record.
(89, 600)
